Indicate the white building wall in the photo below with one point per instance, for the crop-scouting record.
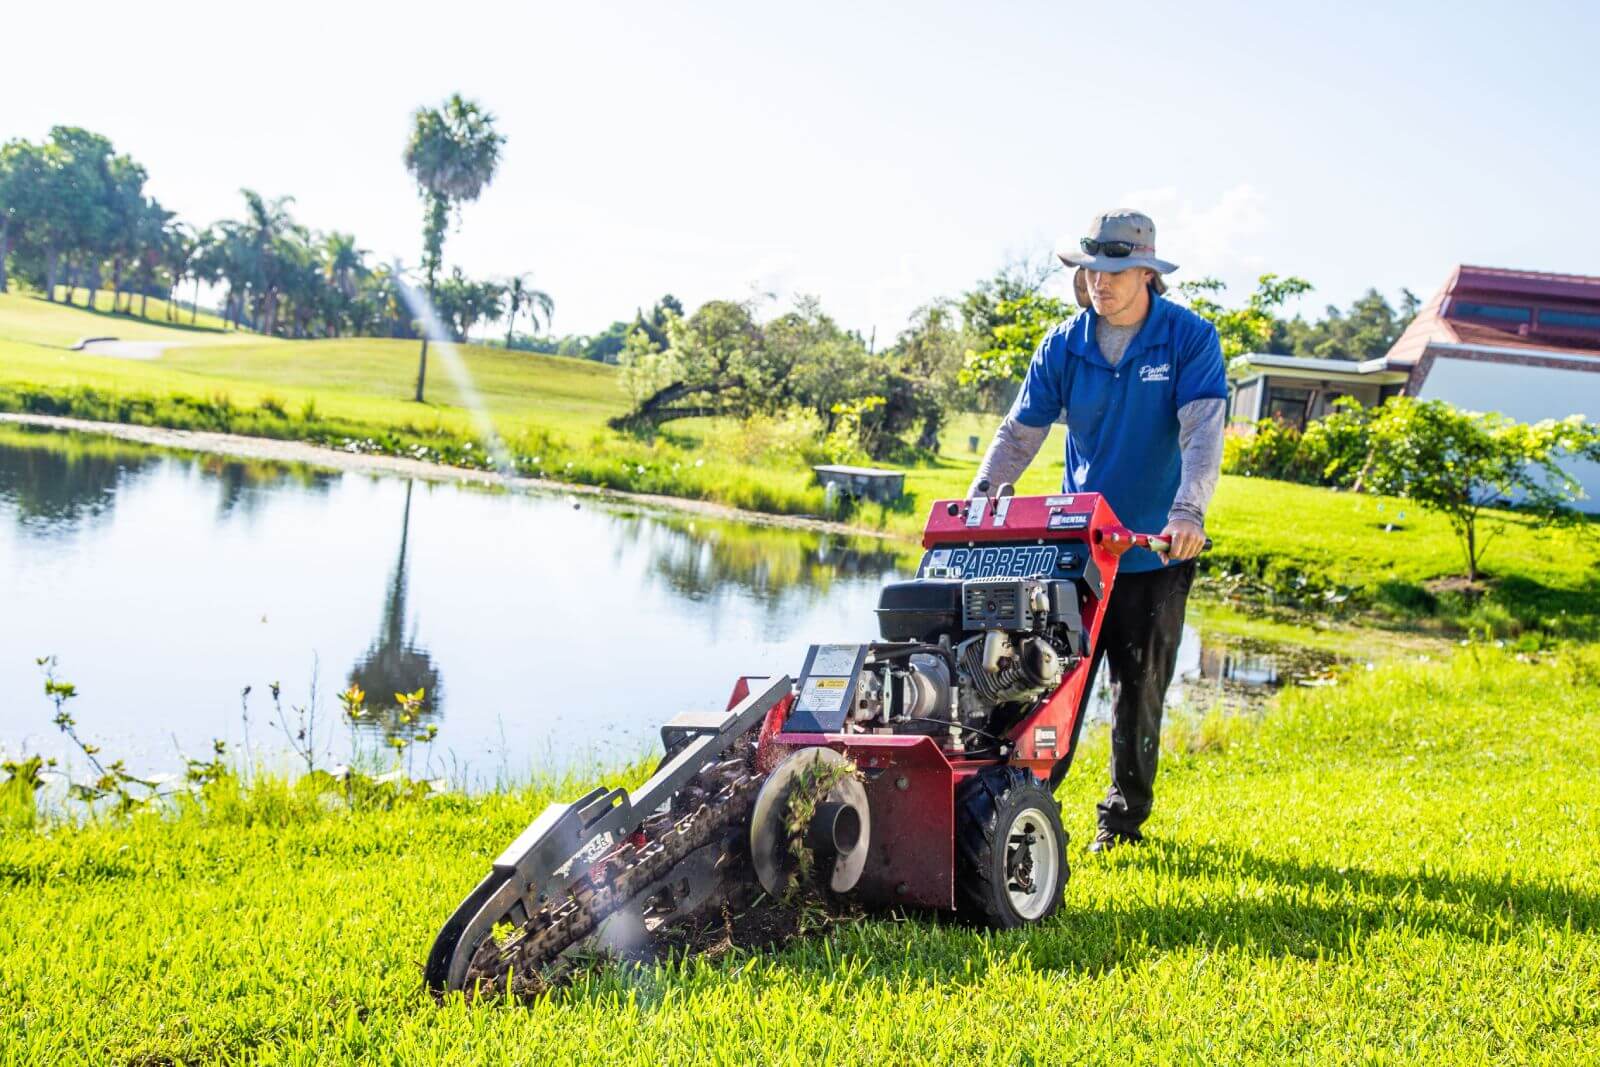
(1525, 393)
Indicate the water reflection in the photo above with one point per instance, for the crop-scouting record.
(238, 482)
(570, 630)
(57, 486)
(1240, 673)
(59, 482)
(1238, 664)
(704, 559)
(394, 662)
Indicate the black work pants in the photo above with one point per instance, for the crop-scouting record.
(1139, 640)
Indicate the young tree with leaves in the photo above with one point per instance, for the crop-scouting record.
(1461, 463)
(715, 363)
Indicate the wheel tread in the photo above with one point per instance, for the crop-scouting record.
(980, 805)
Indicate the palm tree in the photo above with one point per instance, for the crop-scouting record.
(483, 305)
(205, 264)
(344, 266)
(226, 258)
(128, 223)
(538, 301)
(178, 248)
(452, 154)
(266, 225)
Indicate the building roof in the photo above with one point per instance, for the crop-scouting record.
(1535, 283)
(1454, 315)
(1305, 367)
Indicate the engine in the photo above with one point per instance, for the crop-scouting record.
(972, 653)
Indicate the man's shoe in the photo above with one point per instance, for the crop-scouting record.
(1106, 840)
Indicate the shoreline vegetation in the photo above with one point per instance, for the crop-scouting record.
(1322, 553)
(1368, 561)
(1359, 873)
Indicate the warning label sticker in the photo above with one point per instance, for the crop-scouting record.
(835, 659)
(822, 694)
(1044, 737)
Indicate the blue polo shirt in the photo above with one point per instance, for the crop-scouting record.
(1122, 421)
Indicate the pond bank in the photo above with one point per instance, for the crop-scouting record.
(287, 451)
(1348, 634)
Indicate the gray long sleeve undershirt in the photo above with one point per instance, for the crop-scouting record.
(1200, 424)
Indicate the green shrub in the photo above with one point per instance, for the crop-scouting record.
(792, 437)
(1332, 451)
(1267, 451)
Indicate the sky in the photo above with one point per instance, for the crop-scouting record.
(876, 155)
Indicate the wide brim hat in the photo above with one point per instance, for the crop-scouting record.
(1133, 227)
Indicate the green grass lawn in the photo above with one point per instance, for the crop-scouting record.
(31, 318)
(155, 310)
(1304, 546)
(1401, 868)
(366, 380)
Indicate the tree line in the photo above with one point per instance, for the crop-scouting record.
(75, 217)
(723, 359)
(961, 353)
(75, 214)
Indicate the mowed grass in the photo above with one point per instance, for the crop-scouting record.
(519, 390)
(365, 380)
(31, 318)
(1401, 868)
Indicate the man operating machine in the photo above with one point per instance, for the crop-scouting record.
(1141, 383)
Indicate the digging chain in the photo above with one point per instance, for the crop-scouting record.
(616, 881)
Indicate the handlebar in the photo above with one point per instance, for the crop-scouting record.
(1120, 541)
(1157, 543)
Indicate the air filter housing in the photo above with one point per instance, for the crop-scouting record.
(1004, 604)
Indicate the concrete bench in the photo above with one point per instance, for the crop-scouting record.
(863, 483)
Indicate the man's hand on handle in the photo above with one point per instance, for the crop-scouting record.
(1185, 538)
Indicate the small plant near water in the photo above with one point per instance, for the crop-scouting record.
(299, 724)
(113, 785)
(112, 781)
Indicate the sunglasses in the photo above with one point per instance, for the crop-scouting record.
(1112, 249)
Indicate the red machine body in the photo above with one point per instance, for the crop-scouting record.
(947, 731)
(912, 781)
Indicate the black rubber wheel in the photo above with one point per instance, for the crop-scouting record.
(1011, 852)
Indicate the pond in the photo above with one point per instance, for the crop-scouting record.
(548, 632)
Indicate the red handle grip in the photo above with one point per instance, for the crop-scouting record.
(1118, 541)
